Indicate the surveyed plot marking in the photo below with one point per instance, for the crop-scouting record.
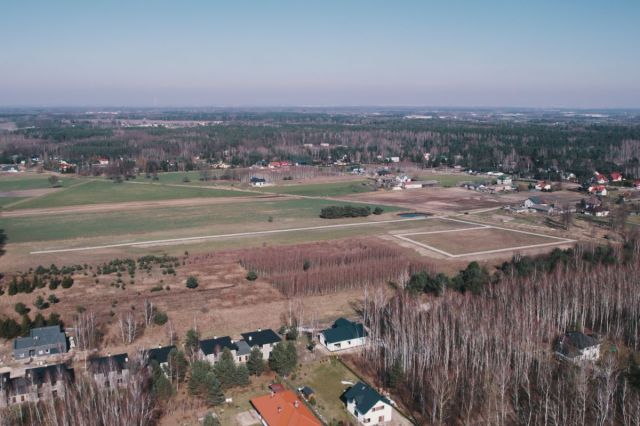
(235, 235)
(478, 226)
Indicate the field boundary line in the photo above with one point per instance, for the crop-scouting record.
(444, 231)
(234, 235)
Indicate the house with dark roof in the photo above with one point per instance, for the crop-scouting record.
(110, 371)
(211, 349)
(159, 355)
(343, 334)
(577, 346)
(367, 405)
(41, 342)
(37, 384)
(265, 340)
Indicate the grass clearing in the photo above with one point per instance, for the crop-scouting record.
(174, 222)
(101, 192)
(325, 378)
(450, 180)
(22, 182)
(334, 189)
(480, 240)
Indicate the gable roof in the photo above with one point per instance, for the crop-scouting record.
(109, 363)
(574, 342)
(216, 346)
(48, 373)
(365, 397)
(42, 336)
(160, 355)
(342, 330)
(284, 409)
(261, 337)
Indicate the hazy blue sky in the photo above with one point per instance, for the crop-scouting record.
(577, 53)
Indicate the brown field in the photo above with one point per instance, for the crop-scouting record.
(481, 240)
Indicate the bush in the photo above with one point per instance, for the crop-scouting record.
(192, 282)
(21, 308)
(67, 282)
(336, 212)
(378, 210)
(252, 276)
(160, 318)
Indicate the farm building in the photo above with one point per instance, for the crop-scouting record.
(577, 346)
(344, 334)
(42, 341)
(367, 405)
(283, 409)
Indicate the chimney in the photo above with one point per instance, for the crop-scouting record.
(259, 330)
(271, 394)
(250, 338)
(296, 404)
(279, 409)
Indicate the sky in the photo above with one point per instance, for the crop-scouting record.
(456, 53)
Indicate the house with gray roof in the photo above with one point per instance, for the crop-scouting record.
(343, 334)
(367, 405)
(41, 342)
(110, 371)
(37, 384)
(577, 346)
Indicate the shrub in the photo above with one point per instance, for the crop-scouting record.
(21, 308)
(160, 318)
(336, 212)
(252, 276)
(67, 282)
(378, 210)
(192, 282)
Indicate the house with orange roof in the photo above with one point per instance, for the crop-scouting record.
(283, 409)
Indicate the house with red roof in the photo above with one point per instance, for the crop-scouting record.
(283, 409)
(600, 178)
(616, 177)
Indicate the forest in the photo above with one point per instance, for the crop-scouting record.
(486, 357)
(540, 148)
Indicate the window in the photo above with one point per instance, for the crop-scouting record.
(381, 407)
(381, 419)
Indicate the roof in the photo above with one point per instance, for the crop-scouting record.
(342, 330)
(284, 409)
(537, 200)
(573, 342)
(42, 336)
(109, 363)
(261, 337)
(277, 387)
(160, 355)
(53, 372)
(365, 397)
(307, 391)
(243, 348)
(215, 346)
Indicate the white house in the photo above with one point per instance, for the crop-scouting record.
(265, 340)
(256, 181)
(577, 346)
(367, 405)
(343, 334)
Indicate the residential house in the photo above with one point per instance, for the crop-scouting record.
(600, 178)
(504, 180)
(367, 405)
(37, 384)
(110, 371)
(636, 183)
(307, 393)
(616, 177)
(5, 379)
(263, 339)
(256, 181)
(211, 349)
(42, 341)
(159, 355)
(599, 211)
(532, 201)
(343, 334)
(577, 346)
(600, 190)
(543, 186)
(283, 409)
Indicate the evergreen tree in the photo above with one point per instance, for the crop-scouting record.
(241, 376)
(198, 377)
(39, 321)
(291, 357)
(178, 365)
(225, 369)
(283, 358)
(25, 325)
(215, 395)
(13, 287)
(161, 387)
(395, 375)
(255, 364)
(191, 343)
(210, 420)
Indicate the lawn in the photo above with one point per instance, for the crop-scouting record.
(101, 192)
(333, 189)
(23, 182)
(478, 240)
(9, 200)
(220, 218)
(450, 180)
(325, 378)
